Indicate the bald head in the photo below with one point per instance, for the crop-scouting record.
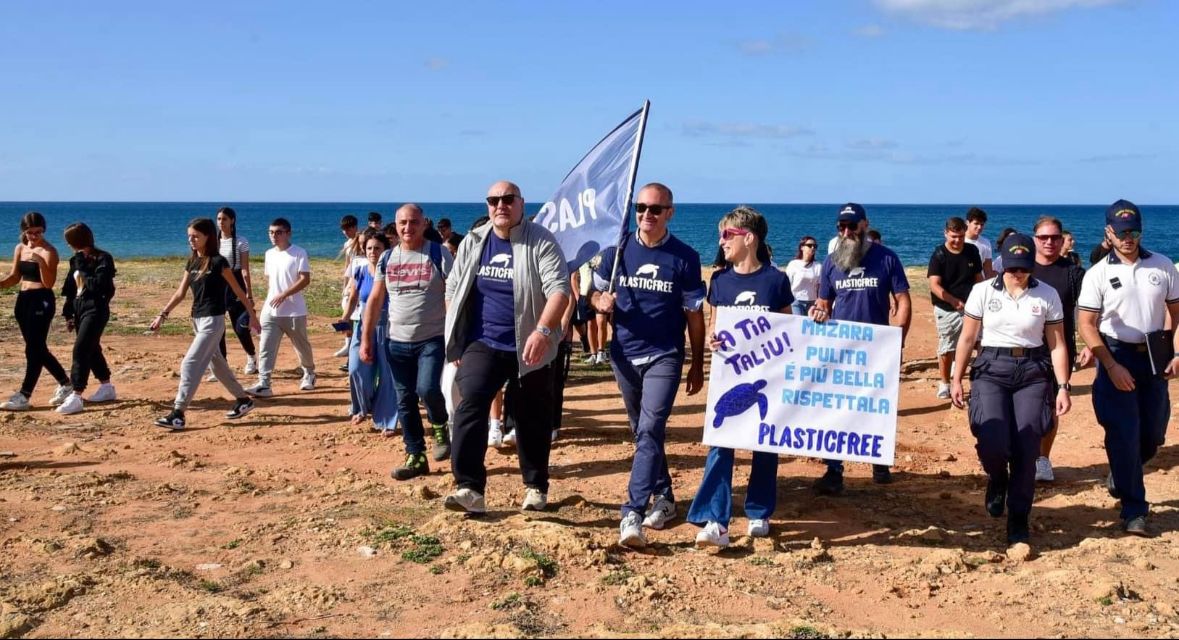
(505, 207)
(411, 226)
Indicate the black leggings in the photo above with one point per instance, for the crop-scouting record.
(34, 314)
(90, 322)
(236, 310)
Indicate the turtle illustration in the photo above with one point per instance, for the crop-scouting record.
(736, 400)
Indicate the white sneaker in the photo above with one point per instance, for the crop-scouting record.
(72, 405)
(342, 352)
(759, 528)
(943, 390)
(466, 500)
(662, 512)
(18, 402)
(251, 366)
(591, 359)
(260, 390)
(104, 393)
(308, 383)
(534, 500)
(712, 535)
(495, 433)
(1044, 470)
(212, 377)
(630, 532)
(59, 396)
(510, 438)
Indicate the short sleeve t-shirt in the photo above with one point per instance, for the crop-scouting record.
(957, 271)
(985, 252)
(208, 287)
(236, 259)
(862, 294)
(1065, 277)
(1013, 322)
(766, 289)
(653, 287)
(804, 279)
(417, 292)
(1131, 299)
(282, 271)
(493, 303)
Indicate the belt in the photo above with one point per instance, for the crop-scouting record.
(1014, 352)
(1139, 347)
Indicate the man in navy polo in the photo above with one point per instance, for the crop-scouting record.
(1124, 303)
(657, 292)
(858, 278)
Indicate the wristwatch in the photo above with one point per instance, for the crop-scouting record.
(543, 330)
(1068, 388)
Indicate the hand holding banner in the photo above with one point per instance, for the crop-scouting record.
(786, 384)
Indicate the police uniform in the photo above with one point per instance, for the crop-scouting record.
(1131, 301)
(1012, 384)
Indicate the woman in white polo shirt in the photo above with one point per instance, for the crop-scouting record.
(1013, 380)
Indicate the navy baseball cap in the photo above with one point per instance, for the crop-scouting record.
(851, 212)
(1018, 252)
(1123, 215)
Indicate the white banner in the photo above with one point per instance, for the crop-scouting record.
(786, 384)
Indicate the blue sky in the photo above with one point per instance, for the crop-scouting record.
(904, 101)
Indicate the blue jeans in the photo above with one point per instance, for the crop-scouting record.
(714, 498)
(648, 392)
(417, 373)
(801, 307)
(1135, 424)
(371, 385)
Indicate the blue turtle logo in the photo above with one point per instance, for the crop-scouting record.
(736, 400)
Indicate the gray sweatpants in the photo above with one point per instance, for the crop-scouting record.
(205, 350)
(273, 329)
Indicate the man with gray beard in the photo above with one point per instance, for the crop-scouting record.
(858, 278)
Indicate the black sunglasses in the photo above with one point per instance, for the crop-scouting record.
(808, 244)
(509, 199)
(1019, 270)
(655, 209)
(842, 226)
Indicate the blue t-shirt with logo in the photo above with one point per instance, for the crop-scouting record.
(862, 295)
(766, 289)
(653, 287)
(493, 306)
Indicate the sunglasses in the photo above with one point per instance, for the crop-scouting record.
(654, 209)
(1129, 234)
(732, 232)
(509, 200)
(1018, 270)
(1050, 237)
(809, 245)
(844, 226)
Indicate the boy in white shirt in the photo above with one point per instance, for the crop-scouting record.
(285, 312)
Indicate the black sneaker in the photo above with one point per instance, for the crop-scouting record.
(1136, 527)
(1017, 528)
(173, 421)
(1111, 488)
(996, 496)
(831, 484)
(441, 449)
(415, 465)
(240, 408)
(881, 474)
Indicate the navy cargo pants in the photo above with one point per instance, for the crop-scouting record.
(1011, 408)
(1135, 422)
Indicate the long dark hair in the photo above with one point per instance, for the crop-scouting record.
(798, 255)
(79, 236)
(207, 228)
(232, 215)
(30, 220)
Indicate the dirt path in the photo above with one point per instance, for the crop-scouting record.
(288, 524)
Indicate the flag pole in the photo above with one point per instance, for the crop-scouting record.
(630, 191)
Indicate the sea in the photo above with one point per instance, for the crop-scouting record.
(157, 229)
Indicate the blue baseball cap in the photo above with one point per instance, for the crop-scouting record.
(851, 212)
(1123, 215)
(1018, 251)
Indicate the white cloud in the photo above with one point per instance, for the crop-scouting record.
(980, 14)
(783, 44)
(869, 31)
(744, 130)
(871, 144)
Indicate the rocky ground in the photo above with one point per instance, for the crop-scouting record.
(288, 524)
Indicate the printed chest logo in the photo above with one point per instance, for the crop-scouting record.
(1035, 310)
(499, 267)
(856, 280)
(1154, 279)
(748, 300)
(646, 278)
(995, 305)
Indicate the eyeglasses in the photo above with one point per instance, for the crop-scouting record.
(508, 199)
(1128, 234)
(653, 209)
(1050, 237)
(728, 233)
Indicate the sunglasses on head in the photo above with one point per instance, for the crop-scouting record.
(508, 199)
(728, 233)
(653, 209)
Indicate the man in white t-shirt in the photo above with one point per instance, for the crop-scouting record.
(285, 312)
(976, 221)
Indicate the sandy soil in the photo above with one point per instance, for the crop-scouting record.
(288, 524)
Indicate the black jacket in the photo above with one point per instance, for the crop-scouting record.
(98, 281)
